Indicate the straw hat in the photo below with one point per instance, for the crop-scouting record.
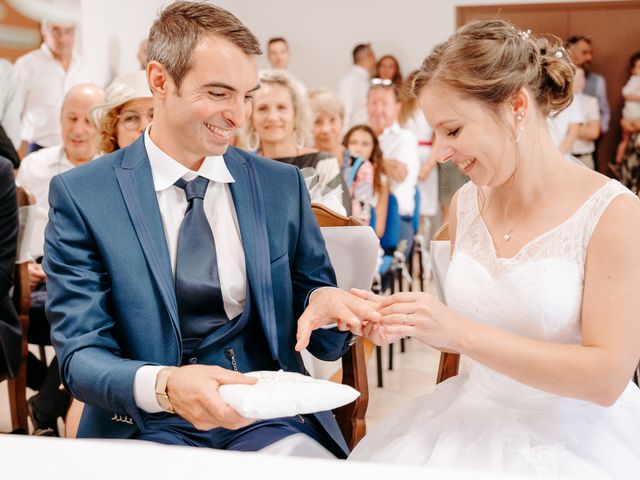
(123, 89)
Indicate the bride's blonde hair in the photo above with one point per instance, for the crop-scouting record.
(490, 60)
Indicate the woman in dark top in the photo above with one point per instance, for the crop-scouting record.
(279, 128)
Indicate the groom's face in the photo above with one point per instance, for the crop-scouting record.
(214, 99)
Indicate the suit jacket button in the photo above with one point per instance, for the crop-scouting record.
(193, 360)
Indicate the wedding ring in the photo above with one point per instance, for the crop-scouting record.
(405, 319)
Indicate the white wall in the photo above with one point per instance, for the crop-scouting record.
(321, 33)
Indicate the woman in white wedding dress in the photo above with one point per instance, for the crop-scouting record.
(542, 290)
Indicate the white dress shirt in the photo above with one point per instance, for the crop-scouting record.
(221, 214)
(399, 144)
(559, 124)
(429, 201)
(42, 84)
(353, 90)
(590, 112)
(9, 102)
(35, 174)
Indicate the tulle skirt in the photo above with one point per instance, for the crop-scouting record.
(482, 420)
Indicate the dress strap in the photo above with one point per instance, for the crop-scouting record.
(597, 204)
(466, 209)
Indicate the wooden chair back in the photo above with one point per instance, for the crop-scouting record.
(449, 362)
(354, 367)
(22, 302)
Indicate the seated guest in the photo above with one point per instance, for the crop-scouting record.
(280, 128)
(357, 171)
(10, 331)
(388, 68)
(125, 113)
(35, 174)
(400, 150)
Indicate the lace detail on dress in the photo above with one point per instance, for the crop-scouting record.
(568, 241)
(536, 293)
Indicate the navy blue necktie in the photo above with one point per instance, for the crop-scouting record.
(198, 293)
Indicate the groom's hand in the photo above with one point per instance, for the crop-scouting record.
(332, 305)
(193, 393)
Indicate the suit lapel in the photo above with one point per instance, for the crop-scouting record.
(248, 202)
(136, 183)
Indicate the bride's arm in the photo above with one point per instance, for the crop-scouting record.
(600, 368)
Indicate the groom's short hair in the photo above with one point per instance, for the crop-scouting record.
(177, 30)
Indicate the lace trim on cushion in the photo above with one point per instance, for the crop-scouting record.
(568, 240)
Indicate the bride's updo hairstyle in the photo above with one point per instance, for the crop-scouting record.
(490, 60)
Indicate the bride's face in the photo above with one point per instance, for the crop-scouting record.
(478, 141)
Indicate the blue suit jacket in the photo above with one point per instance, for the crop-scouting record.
(111, 297)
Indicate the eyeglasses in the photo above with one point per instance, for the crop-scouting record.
(381, 82)
(133, 120)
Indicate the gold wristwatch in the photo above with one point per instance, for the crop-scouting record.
(161, 389)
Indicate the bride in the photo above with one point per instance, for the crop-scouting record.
(542, 289)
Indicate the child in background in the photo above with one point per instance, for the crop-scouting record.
(362, 142)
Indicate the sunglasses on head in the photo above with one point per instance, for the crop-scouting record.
(381, 82)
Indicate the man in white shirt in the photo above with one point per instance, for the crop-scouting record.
(35, 174)
(581, 51)
(44, 76)
(354, 86)
(589, 130)
(400, 151)
(78, 147)
(177, 262)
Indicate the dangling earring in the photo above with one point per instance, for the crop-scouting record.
(520, 118)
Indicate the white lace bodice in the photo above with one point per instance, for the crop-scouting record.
(538, 292)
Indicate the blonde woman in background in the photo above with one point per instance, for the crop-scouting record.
(280, 129)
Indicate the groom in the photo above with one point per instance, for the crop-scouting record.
(177, 262)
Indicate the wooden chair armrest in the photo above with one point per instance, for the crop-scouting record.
(350, 417)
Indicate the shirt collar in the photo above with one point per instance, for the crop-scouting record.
(166, 171)
(46, 50)
(393, 128)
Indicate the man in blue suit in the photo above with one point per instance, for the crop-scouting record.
(176, 263)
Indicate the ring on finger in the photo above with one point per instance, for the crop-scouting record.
(405, 319)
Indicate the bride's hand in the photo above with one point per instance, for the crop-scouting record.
(420, 315)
